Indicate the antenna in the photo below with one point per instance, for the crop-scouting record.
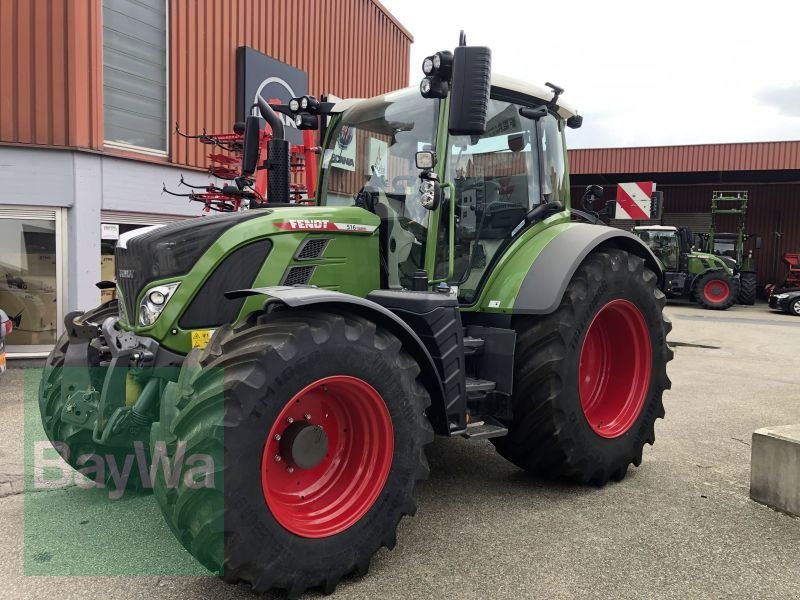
(462, 38)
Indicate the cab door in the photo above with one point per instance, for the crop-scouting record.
(496, 179)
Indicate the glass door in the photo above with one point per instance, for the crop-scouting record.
(31, 277)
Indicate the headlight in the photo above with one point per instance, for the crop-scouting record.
(425, 86)
(154, 301)
(781, 296)
(294, 104)
(427, 65)
(123, 311)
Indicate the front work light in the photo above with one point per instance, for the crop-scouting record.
(309, 104)
(425, 159)
(294, 105)
(433, 87)
(439, 64)
(154, 301)
(305, 120)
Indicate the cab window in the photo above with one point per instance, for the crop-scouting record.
(496, 177)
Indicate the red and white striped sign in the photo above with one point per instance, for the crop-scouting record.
(634, 200)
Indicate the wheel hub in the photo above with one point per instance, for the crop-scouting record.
(303, 445)
(327, 456)
(614, 368)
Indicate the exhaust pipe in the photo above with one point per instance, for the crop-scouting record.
(278, 155)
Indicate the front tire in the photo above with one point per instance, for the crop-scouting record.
(318, 420)
(589, 378)
(716, 290)
(794, 308)
(72, 441)
(748, 282)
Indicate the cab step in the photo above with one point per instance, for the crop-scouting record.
(479, 386)
(473, 345)
(484, 429)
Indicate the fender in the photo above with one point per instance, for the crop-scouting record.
(319, 298)
(544, 285)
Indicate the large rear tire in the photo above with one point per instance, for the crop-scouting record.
(72, 441)
(716, 290)
(318, 422)
(589, 378)
(748, 282)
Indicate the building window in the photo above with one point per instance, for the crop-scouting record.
(135, 73)
(29, 277)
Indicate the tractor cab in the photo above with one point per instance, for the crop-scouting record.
(665, 242)
(486, 184)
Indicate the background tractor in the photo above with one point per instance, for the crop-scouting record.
(706, 278)
(439, 285)
(731, 245)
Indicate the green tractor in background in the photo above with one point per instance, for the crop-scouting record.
(440, 286)
(731, 246)
(707, 279)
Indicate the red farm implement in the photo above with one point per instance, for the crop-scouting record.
(792, 280)
(239, 191)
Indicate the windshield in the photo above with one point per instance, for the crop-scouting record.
(725, 248)
(370, 162)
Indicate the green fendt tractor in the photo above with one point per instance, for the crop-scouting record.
(439, 286)
(706, 278)
(731, 246)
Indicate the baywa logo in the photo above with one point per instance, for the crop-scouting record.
(345, 137)
(275, 87)
(115, 472)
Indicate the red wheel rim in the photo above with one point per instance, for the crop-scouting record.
(614, 369)
(328, 498)
(717, 290)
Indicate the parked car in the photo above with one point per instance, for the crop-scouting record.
(6, 326)
(787, 301)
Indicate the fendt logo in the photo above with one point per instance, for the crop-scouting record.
(323, 225)
(309, 224)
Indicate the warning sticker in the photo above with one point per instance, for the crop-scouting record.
(200, 337)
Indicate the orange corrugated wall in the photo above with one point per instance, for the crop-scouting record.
(51, 85)
(348, 47)
(50, 52)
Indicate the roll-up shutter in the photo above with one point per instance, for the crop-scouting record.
(135, 72)
(28, 212)
(131, 218)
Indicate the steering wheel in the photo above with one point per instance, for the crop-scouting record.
(499, 206)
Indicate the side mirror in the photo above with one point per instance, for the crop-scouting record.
(470, 88)
(251, 145)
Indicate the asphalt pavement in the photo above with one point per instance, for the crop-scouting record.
(680, 526)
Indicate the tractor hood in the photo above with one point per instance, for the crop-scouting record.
(187, 267)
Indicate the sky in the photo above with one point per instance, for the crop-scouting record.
(642, 73)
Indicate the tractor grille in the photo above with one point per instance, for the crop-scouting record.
(312, 248)
(168, 251)
(298, 275)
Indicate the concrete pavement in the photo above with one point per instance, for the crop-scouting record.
(680, 526)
